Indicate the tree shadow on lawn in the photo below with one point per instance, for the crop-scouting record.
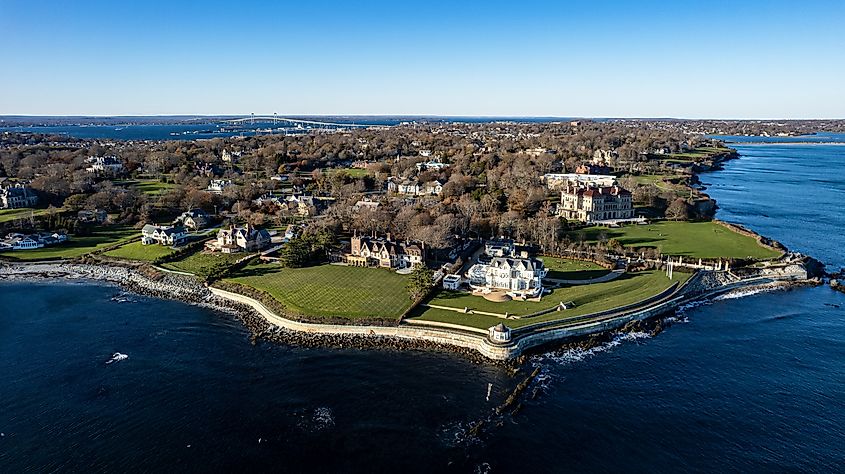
(576, 274)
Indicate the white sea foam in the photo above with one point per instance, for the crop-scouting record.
(320, 419)
(117, 357)
(569, 356)
(742, 293)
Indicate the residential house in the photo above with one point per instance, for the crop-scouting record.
(435, 164)
(217, 186)
(366, 203)
(195, 219)
(303, 205)
(163, 235)
(16, 196)
(230, 156)
(108, 164)
(384, 252)
(32, 241)
(412, 187)
(235, 239)
(98, 216)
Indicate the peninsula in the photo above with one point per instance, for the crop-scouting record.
(488, 238)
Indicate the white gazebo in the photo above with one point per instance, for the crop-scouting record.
(500, 333)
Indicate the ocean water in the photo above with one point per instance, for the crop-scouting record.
(753, 384)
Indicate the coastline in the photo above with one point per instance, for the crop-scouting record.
(265, 324)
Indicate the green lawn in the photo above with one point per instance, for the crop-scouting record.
(569, 269)
(7, 215)
(152, 187)
(698, 153)
(77, 245)
(139, 251)
(354, 172)
(627, 289)
(198, 262)
(331, 290)
(690, 239)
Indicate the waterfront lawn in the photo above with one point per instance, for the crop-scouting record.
(698, 153)
(569, 269)
(139, 251)
(200, 262)
(627, 289)
(77, 246)
(331, 290)
(689, 239)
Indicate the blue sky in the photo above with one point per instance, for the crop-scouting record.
(760, 59)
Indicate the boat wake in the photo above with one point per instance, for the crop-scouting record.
(117, 357)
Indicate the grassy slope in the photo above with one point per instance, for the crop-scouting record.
(331, 290)
(7, 215)
(628, 289)
(139, 251)
(76, 246)
(691, 239)
(198, 261)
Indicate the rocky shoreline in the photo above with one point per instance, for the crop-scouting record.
(183, 288)
(164, 285)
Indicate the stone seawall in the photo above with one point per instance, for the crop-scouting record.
(469, 342)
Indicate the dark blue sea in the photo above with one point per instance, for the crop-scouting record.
(753, 384)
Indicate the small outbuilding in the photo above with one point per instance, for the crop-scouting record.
(500, 333)
(452, 282)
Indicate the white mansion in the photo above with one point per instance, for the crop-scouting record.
(516, 274)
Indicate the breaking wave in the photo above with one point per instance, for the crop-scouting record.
(578, 354)
(743, 293)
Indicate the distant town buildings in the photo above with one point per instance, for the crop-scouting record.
(108, 165)
(163, 235)
(235, 239)
(16, 196)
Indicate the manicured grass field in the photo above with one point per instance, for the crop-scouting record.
(698, 153)
(354, 172)
(627, 289)
(569, 269)
(139, 251)
(331, 290)
(691, 239)
(199, 262)
(151, 187)
(77, 245)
